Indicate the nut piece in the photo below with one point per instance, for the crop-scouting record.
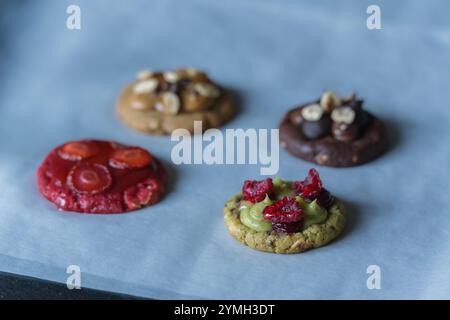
(171, 76)
(343, 115)
(350, 98)
(313, 112)
(207, 90)
(329, 101)
(191, 72)
(145, 86)
(170, 104)
(144, 74)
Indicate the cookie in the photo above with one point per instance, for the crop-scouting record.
(333, 132)
(94, 176)
(161, 102)
(284, 217)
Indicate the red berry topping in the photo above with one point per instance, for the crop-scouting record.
(289, 227)
(87, 178)
(325, 199)
(285, 210)
(78, 150)
(130, 158)
(255, 191)
(311, 186)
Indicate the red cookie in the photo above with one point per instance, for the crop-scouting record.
(94, 176)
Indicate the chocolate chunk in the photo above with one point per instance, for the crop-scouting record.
(317, 129)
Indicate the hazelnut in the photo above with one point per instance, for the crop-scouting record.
(312, 112)
(207, 90)
(145, 86)
(144, 74)
(169, 104)
(343, 115)
(171, 76)
(329, 101)
(192, 72)
(349, 99)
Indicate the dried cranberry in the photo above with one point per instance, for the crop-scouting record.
(255, 191)
(283, 211)
(311, 186)
(290, 227)
(325, 199)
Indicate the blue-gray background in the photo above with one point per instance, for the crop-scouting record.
(58, 85)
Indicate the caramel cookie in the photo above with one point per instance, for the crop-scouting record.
(160, 102)
(333, 132)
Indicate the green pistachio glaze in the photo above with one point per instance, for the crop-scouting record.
(282, 188)
(252, 215)
(314, 213)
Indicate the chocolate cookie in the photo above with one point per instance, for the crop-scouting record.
(284, 217)
(333, 132)
(160, 102)
(94, 176)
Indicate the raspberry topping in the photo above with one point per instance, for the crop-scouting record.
(311, 186)
(87, 178)
(255, 191)
(130, 158)
(78, 150)
(286, 210)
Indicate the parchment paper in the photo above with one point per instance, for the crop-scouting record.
(58, 85)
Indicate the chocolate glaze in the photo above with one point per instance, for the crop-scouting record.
(328, 151)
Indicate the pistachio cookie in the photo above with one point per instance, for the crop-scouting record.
(333, 131)
(283, 216)
(94, 176)
(160, 102)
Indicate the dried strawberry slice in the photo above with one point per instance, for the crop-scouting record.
(255, 191)
(311, 186)
(89, 178)
(286, 210)
(78, 150)
(143, 194)
(133, 157)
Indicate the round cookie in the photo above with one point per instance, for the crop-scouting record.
(334, 134)
(284, 217)
(161, 102)
(93, 176)
(315, 236)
